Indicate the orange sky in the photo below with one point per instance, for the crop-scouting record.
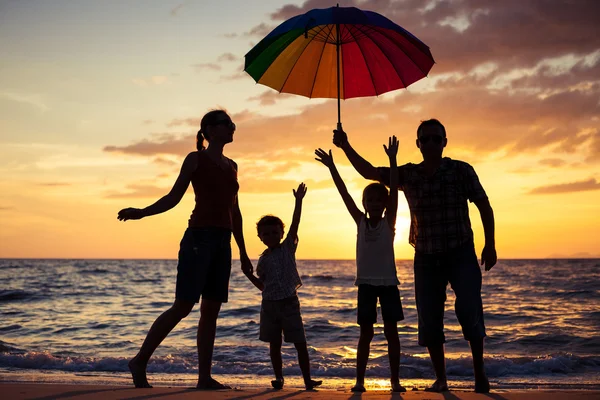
(98, 116)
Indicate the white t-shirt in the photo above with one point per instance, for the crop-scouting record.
(375, 260)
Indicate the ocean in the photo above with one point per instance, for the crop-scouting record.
(82, 320)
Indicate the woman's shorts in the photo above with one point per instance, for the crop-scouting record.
(204, 265)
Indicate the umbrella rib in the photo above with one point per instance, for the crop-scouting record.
(405, 53)
(365, 59)
(295, 62)
(312, 88)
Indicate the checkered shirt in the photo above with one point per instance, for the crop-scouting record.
(438, 204)
(277, 270)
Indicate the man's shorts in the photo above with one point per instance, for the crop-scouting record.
(204, 265)
(278, 316)
(389, 299)
(433, 272)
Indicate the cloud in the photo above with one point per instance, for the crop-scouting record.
(175, 10)
(230, 35)
(184, 122)
(465, 33)
(269, 97)
(553, 162)
(161, 144)
(147, 121)
(5, 208)
(227, 57)
(206, 66)
(31, 99)
(164, 161)
(477, 121)
(153, 80)
(139, 191)
(54, 184)
(261, 30)
(581, 186)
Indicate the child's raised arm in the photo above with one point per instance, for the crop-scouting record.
(299, 195)
(327, 160)
(392, 150)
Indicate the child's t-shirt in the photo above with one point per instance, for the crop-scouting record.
(375, 260)
(277, 270)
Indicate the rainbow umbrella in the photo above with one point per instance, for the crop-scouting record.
(341, 52)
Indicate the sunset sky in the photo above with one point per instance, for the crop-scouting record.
(100, 102)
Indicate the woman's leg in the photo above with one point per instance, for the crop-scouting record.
(207, 330)
(157, 333)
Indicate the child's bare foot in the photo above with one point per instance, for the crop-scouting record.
(438, 387)
(211, 384)
(277, 383)
(397, 387)
(359, 387)
(138, 373)
(310, 385)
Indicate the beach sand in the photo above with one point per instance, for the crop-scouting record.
(40, 391)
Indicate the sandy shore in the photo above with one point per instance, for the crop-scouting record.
(91, 392)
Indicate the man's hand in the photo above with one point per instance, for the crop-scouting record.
(130, 213)
(488, 257)
(247, 267)
(340, 139)
(324, 157)
(300, 192)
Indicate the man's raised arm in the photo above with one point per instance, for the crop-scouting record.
(362, 166)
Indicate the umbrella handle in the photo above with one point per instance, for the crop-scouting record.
(339, 126)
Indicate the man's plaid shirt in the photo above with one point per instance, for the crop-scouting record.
(438, 204)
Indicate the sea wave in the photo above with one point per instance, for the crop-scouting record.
(246, 362)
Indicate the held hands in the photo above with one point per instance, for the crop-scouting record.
(325, 158)
(130, 213)
(488, 257)
(247, 267)
(392, 148)
(300, 192)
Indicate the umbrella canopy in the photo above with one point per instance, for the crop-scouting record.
(341, 52)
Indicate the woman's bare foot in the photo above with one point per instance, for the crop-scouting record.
(359, 387)
(138, 373)
(310, 385)
(277, 383)
(438, 387)
(397, 387)
(211, 384)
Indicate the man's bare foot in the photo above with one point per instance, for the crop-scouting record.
(438, 387)
(397, 387)
(277, 383)
(359, 387)
(138, 373)
(211, 384)
(482, 385)
(310, 385)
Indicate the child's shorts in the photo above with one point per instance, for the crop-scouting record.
(389, 299)
(278, 316)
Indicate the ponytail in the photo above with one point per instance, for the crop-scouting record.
(200, 141)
